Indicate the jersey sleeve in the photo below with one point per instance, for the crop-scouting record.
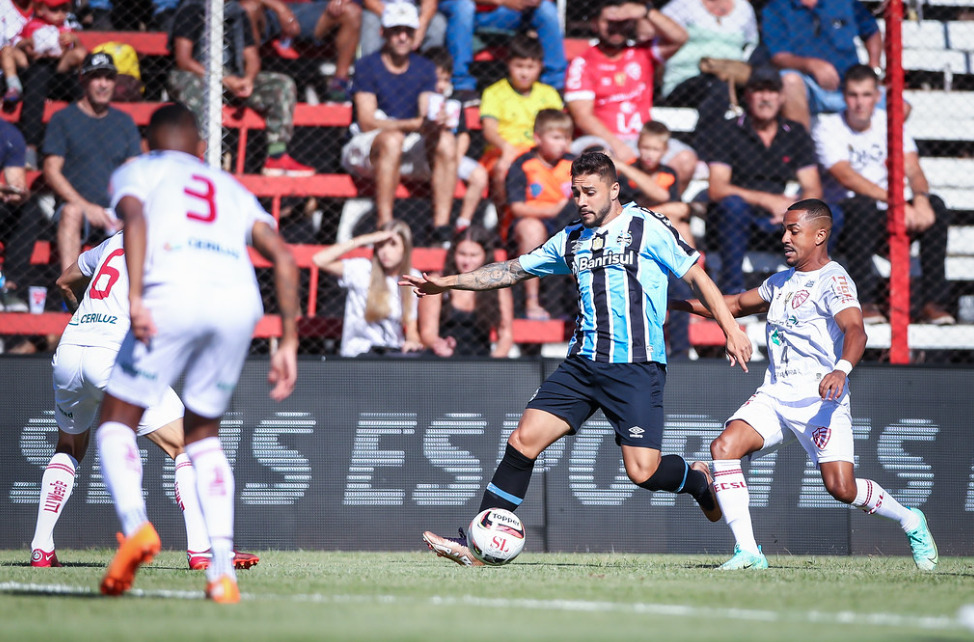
(578, 84)
(766, 289)
(665, 245)
(839, 293)
(88, 260)
(129, 180)
(547, 259)
(355, 273)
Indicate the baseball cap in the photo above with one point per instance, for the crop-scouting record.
(54, 3)
(764, 77)
(400, 14)
(99, 61)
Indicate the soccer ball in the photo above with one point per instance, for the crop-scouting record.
(495, 536)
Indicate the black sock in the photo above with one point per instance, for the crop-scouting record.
(675, 476)
(510, 482)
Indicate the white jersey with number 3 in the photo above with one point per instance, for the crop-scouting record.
(804, 341)
(102, 317)
(199, 221)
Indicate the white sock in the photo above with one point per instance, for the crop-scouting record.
(734, 500)
(121, 468)
(189, 502)
(56, 485)
(215, 487)
(873, 499)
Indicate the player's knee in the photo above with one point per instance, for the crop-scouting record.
(842, 489)
(724, 448)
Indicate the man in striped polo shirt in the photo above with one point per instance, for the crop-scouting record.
(620, 258)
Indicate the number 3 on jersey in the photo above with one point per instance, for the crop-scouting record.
(207, 195)
(107, 271)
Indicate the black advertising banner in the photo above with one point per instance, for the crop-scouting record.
(369, 453)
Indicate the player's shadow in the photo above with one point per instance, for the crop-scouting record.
(63, 565)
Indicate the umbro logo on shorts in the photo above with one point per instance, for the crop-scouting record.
(636, 432)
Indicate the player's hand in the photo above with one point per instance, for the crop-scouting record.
(425, 285)
(824, 73)
(284, 371)
(831, 386)
(334, 8)
(779, 204)
(738, 348)
(289, 24)
(412, 346)
(621, 152)
(374, 238)
(143, 326)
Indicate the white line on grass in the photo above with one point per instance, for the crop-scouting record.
(671, 610)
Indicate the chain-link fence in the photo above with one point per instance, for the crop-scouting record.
(328, 119)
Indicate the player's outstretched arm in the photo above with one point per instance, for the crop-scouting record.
(740, 305)
(738, 344)
(284, 363)
(853, 345)
(489, 277)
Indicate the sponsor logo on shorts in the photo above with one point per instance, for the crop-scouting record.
(636, 432)
(130, 369)
(820, 436)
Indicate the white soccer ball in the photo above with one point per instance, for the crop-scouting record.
(496, 536)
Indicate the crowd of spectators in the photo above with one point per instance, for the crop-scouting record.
(408, 70)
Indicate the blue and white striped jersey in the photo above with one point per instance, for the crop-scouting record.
(620, 271)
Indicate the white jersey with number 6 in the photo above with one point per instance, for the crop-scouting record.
(199, 221)
(102, 317)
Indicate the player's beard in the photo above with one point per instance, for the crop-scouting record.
(599, 216)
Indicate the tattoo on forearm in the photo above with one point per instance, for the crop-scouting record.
(493, 276)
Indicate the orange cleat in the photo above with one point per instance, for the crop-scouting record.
(223, 591)
(133, 551)
(200, 561)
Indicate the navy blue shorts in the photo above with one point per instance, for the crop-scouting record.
(630, 395)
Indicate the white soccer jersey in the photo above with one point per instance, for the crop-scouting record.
(865, 151)
(804, 342)
(199, 220)
(102, 317)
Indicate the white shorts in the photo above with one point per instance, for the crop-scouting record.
(824, 428)
(80, 376)
(206, 343)
(414, 164)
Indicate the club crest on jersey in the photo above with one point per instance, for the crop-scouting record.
(598, 242)
(820, 436)
(624, 239)
(800, 297)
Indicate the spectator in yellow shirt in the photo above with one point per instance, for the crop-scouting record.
(508, 109)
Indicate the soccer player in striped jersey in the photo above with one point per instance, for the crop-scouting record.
(815, 337)
(620, 258)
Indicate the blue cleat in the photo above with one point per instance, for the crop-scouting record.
(743, 560)
(922, 545)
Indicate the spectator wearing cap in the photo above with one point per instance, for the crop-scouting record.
(430, 33)
(273, 95)
(752, 160)
(396, 134)
(85, 142)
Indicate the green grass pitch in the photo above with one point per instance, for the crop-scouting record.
(297, 595)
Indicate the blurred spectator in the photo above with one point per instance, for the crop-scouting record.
(722, 29)
(852, 148)
(539, 189)
(377, 321)
(752, 159)
(654, 185)
(465, 17)
(285, 22)
(609, 88)
(47, 35)
(813, 43)
(430, 33)
(85, 142)
(102, 18)
(271, 94)
(508, 109)
(469, 171)
(14, 224)
(459, 323)
(395, 133)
